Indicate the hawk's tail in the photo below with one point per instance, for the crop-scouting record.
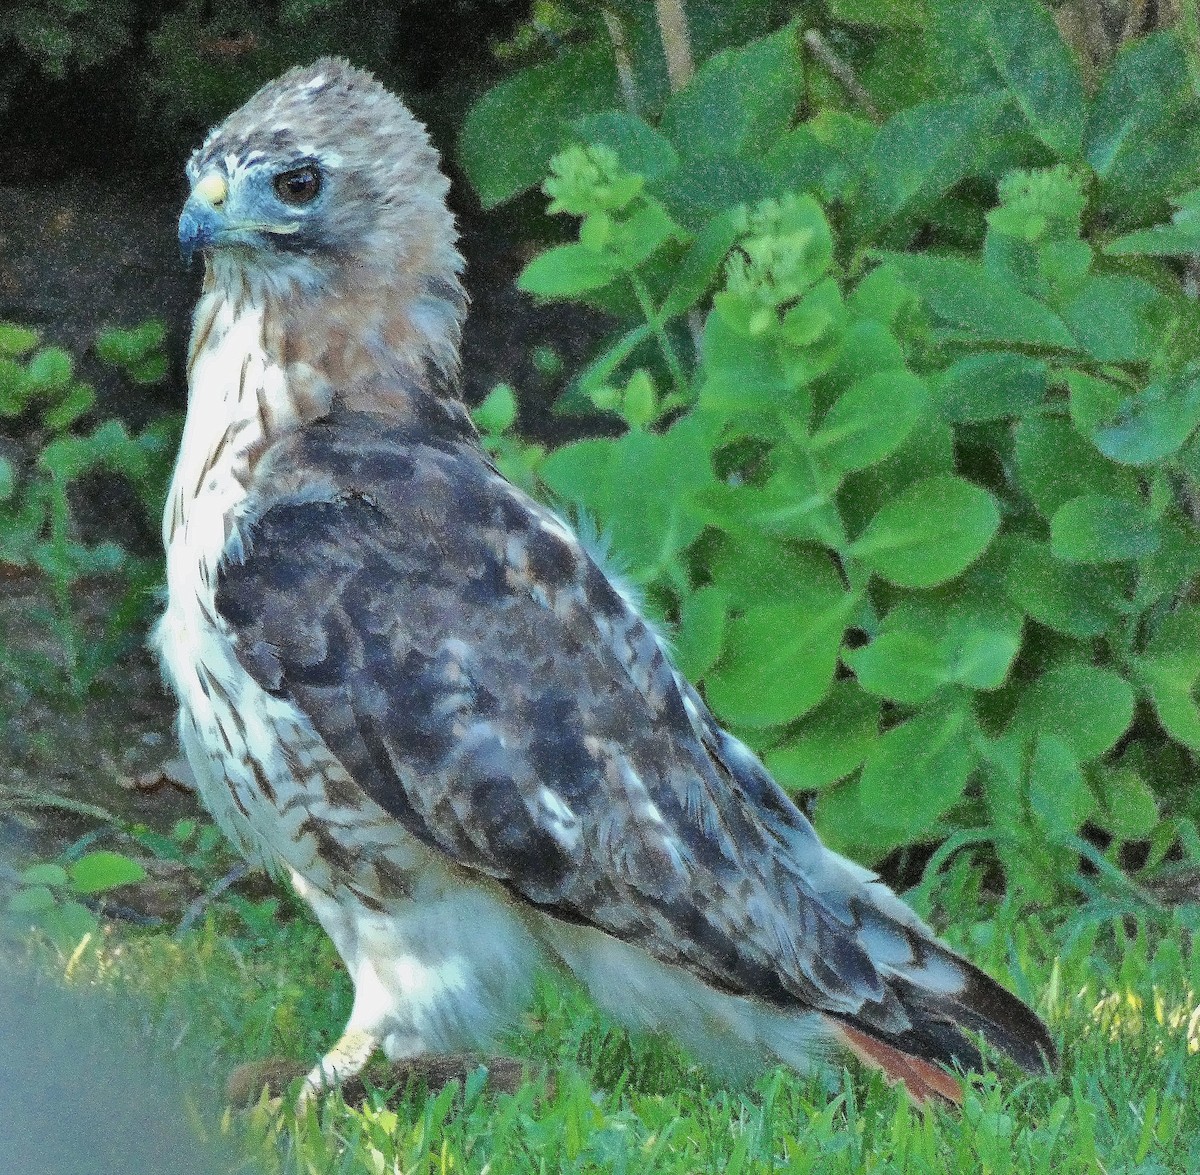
(937, 1040)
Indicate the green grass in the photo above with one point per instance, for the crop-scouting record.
(1119, 989)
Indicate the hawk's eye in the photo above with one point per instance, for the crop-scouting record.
(301, 185)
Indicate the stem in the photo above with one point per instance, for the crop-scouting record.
(678, 378)
(60, 523)
(677, 46)
(624, 63)
(842, 72)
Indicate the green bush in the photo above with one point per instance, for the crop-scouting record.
(915, 489)
(38, 531)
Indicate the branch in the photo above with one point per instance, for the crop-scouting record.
(616, 34)
(677, 47)
(842, 73)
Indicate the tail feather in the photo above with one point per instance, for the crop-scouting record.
(1004, 1021)
(936, 1039)
(923, 1080)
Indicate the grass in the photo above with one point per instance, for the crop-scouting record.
(1119, 988)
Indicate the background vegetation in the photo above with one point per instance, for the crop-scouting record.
(896, 426)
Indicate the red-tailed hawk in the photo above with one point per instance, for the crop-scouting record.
(409, 686)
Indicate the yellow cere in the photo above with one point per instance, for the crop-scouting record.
(213, 188)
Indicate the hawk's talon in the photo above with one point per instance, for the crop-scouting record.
(345, 1060)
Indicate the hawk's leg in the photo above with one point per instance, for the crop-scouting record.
(345, 1060)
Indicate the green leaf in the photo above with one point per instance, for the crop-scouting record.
(641, 487)
(512, 131)
(567, 271)
(50, 369)
(884, 14)
(830, 742)
(928, 449)
(1027, 52)
(638, 237)
(100, 871)
(1096, 528)
(696, 274)
(8, 479)
(68, 923)
(870, 420)
(46, 873)
(1130, 808)
(1093, 400)
(79, 398)
(33, 899)
(952, 638)
(497, 412)
(705, 187)
(701, 632)
(740, 100)
(965, 295)
(780, 656)
(1142, 135)
(16, 340)
(1056, 464)
(922, 152)
(1151, 424)
(1088, 709)
(1071, 598)
(151, 369)
(1174, 702)
(1181, 236)
(1110, 318)
(825, 155)
(1169, 670)
(740, 374)
(796, 502)
(1059, 796)
(900, 665)
(918, 771)
(931, 532)
(638, 146)
(991, 386)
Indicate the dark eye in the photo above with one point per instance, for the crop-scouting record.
(301, 185)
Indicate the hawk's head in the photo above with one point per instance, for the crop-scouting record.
(324, 191)
(323, 176)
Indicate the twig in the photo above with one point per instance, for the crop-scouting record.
(200, 904)
(677, 46)
(842, 73)
(41, 799)
(616, 34)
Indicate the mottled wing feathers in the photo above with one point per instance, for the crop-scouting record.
(483, 681)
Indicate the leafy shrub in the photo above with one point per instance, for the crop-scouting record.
(54, 896)
(39, 387)
(915, 488)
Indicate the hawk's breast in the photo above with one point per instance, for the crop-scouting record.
(263, 772)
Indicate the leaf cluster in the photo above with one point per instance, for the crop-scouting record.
(41, 392)
(57, 898)
(910, 457)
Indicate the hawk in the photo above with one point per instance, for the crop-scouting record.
(409, 687)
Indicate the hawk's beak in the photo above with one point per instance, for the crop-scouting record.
(201, 220)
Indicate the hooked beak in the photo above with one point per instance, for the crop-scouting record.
(201, 221)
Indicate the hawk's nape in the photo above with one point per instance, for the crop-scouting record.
(409, 686)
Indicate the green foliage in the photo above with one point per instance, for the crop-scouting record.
(38, 532)
(910, 454)
(61, 35)
(51, 895)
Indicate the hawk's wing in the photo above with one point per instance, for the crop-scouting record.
(480, 677)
